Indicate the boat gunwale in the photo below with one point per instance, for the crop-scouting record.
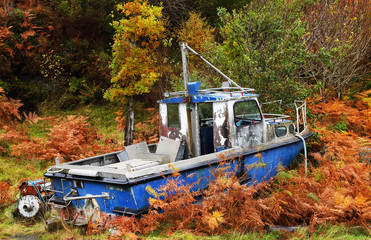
(161, 174)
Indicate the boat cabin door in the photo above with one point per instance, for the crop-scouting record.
(205, 126)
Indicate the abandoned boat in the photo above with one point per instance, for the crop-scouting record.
(198, 128)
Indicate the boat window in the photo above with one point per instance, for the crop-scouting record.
(205, 112)
(173, 115)
(246, 113)
(281, 131)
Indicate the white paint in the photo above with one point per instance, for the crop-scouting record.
(232, 125)
(183, 120)
(163, 113)
(219, 109)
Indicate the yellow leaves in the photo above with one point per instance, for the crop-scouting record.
(137, 36)
(340, 164)
(152, 201)
(342, 200)
(223, 181)
(364, 142)
(361, 200)
(198, 34)
(215, 219)
(366, 97)
(258, 155)
(142, 20)
(151, 191)
(176, 170)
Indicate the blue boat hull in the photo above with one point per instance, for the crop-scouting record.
(131, 197)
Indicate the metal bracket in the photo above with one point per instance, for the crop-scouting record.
(104, 195)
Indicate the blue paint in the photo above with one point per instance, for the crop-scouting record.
(209, 97)
(172, 100)
(193, 88)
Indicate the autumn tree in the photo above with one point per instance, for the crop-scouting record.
(134, 65)
(338, 39)
(200, 36)
(27, 32)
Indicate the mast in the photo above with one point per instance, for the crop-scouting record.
(185, 67)
(187, 97)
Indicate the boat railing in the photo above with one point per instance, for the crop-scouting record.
(301, 115)
(275, 118)
(221, 90)
(276, 101)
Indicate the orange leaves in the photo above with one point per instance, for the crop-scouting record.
(5, 194)
(70, 139)
(5, 34)
(344, 126)
(8, 110)
(25, 30)
(337, 190)
(28, 34)
(355, 114)
(148, 130)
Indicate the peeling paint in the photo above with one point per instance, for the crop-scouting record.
(221, 125)
(175, 133)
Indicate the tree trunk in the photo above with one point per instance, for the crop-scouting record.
(129, 126)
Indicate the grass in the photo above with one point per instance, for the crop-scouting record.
(101, 116)
(14, 171)
(11, 229)
(324, 232)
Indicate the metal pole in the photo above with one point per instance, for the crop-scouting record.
(185, 67)
(305, 153)
(207, 62)
(188, 107)
(104, 195)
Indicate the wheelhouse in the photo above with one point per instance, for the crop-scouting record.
(217, 119)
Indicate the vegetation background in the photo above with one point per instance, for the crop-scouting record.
(73, 72)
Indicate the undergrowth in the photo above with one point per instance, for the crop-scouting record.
(335, 191)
